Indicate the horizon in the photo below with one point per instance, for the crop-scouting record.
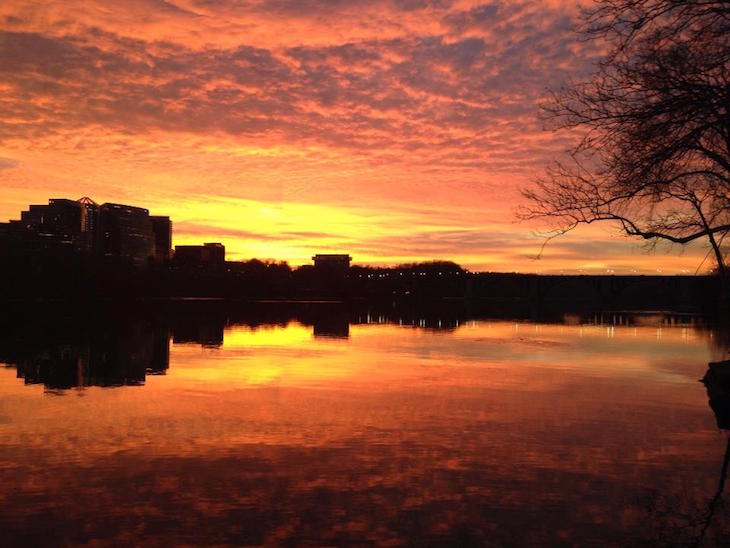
(387, 265)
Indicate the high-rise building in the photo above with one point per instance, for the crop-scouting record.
(61, 224)
(110, 230)
(162, 232)
(89, 222)
(126, 232)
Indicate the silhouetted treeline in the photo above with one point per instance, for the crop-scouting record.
(49, 276)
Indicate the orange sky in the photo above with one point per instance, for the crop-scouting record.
(395, 131)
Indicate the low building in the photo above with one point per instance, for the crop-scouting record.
(209, 256)
(334, 263)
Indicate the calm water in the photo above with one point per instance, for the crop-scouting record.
(489, 433)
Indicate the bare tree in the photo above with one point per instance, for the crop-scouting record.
(654, 125)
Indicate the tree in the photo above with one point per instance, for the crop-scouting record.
(654, 123)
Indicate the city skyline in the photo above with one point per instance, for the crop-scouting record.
(396, 132)
(129, 232)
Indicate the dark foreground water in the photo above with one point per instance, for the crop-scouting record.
(485, 433)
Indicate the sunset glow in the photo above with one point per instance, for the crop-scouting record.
(392, 131)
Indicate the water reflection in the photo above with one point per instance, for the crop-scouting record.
(64, 349)
(191, 327)
(115, 347)
(335, 325)
(104, 354)
(298, 425)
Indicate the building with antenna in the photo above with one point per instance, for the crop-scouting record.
(82, 226)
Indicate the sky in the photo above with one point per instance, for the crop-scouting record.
(396, 131)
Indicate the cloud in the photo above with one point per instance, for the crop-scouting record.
(381, 106)
(7, 163)
(434, 96)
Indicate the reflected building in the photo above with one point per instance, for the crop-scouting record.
(108, 355)
(205, 330)
(160, 362)
(332, 327)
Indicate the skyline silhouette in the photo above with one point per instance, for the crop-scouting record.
(78, 250)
